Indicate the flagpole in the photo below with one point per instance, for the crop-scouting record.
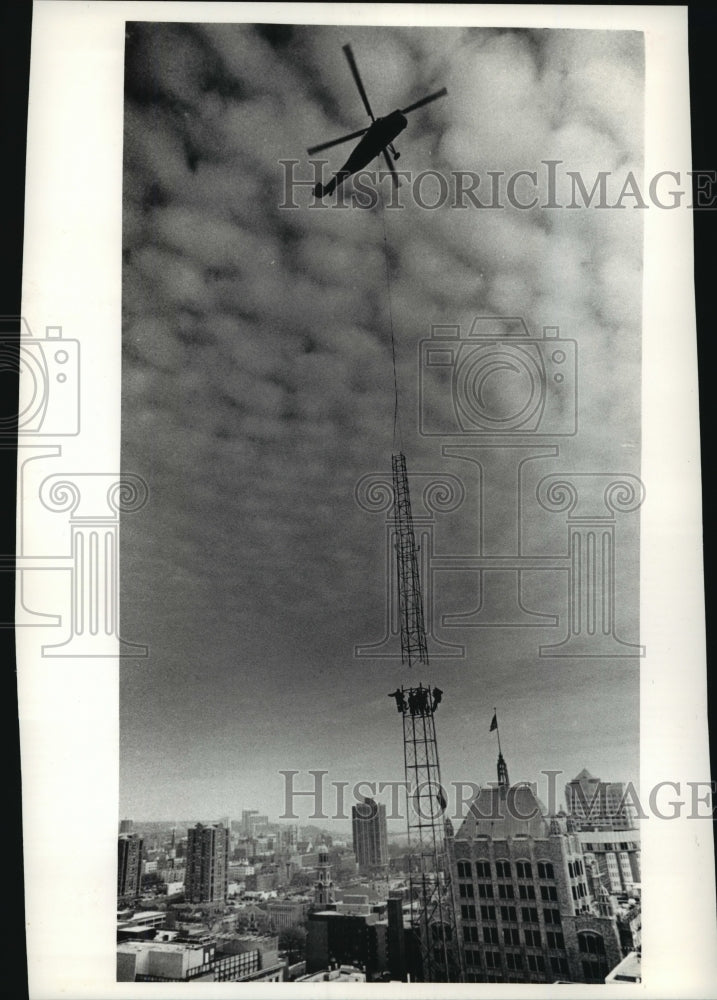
(497, 728)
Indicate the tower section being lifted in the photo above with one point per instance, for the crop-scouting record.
(410, 600)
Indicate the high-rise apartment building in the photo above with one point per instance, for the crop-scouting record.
(368, 819)
(129, 865)
(598, 805)
(246, 815)
(207, 864)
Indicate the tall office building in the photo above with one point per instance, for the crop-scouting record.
(207, 864)
(257, 823)
(527, 913)
(246, 815)
(598, 805)
(368, 819)
(129, 865)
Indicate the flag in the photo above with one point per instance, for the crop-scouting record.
(494, 724)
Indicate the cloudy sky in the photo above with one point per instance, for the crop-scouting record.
(258, 391)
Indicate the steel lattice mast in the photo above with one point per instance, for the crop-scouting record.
(434, 920)
(410, 601)
(433, 916)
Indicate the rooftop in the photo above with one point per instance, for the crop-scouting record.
(499, 813)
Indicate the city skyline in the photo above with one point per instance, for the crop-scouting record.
(257, 394)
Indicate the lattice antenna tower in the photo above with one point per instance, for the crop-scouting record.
(433, 909)
(410, 600)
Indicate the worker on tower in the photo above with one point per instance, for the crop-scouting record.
(400, 700)
(437, 698)
(422, 700)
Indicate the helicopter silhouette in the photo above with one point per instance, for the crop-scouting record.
(377, 137)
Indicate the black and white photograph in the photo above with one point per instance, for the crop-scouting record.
(372, 551)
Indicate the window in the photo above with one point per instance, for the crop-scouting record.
(548, 892)
(490, 935)
(526, 891)
(465, 890)
(529, 914)
(485, 891)
(473, 958)
(594, 970)
(559, 965)
(571, 869)
(483, 869)
(555, 940)
(514, 962)
(508, 913)
(468, 911)
(524, 869)
(503, 869)
(492, 960)
(532, 938)
(551, 916)
(536, 963)
(545, 869)
(487, 912)
(578, 868)
(511, 935)
(470, 933)
(591, 943)
(464, 869)
(505, 891)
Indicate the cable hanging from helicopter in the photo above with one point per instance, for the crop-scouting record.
(377, 141)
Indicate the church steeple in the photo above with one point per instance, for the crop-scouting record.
(323, 887)
(503, 779)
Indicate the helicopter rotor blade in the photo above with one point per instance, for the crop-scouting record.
(425, 100)
(391, 166)
(335, 142)
(359, 83)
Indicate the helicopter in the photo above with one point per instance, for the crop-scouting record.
(377, 137)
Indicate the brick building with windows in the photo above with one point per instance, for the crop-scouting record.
(525, 910)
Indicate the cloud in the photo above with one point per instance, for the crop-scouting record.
(257, 379)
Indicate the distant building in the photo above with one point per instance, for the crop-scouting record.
(347, 939)
(616, 854)
(246, 815)
(141, 925)
(175, 874)
(129, 865)
(256, 823)
(287, 912)
(231, 960)
(126, 826)
(368, 820)
(598, 805)
(207, 864)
